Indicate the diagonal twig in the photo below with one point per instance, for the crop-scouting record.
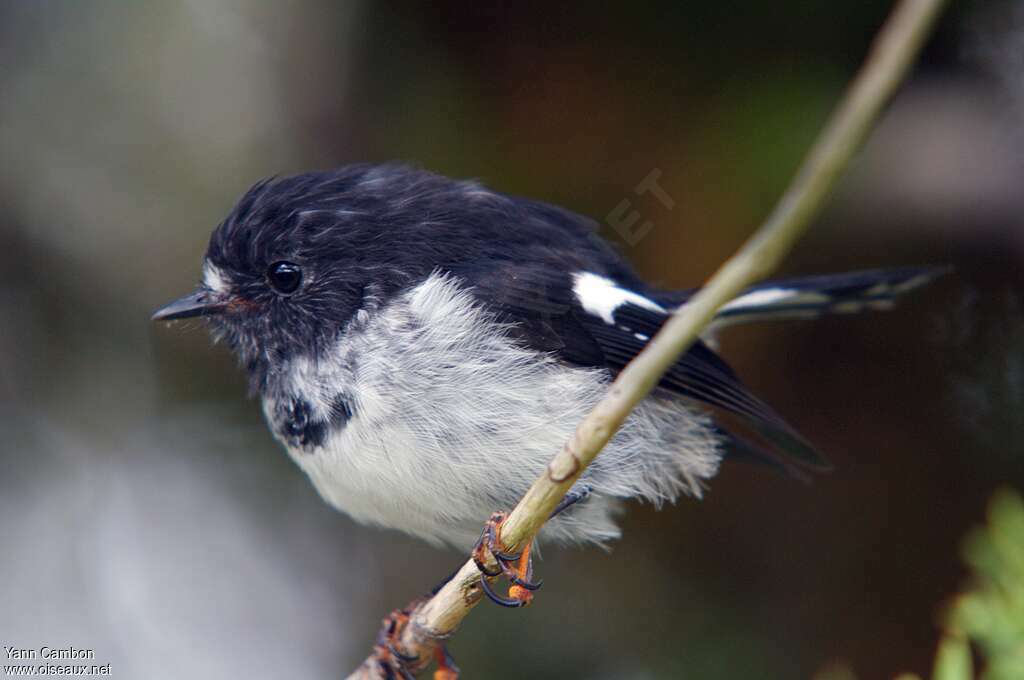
(894, 50)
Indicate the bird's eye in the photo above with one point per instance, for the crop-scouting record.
(284, 277)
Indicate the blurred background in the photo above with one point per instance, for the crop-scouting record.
(145, 511)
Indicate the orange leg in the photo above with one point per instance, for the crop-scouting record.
(395, 664)
(521, 591)
(524, 570)
(446, 668)
(392, 662)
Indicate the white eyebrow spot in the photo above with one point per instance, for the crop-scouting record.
(600, 296)
(214, 278)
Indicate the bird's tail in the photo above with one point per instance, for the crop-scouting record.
(810, 297)
(807, 297)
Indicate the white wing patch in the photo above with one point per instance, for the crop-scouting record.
(601, 296)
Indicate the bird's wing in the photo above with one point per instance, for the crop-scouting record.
(588, 319)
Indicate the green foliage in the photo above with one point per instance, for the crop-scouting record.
(990, 614)
(953, 660)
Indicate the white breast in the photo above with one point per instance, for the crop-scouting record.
(453, 420)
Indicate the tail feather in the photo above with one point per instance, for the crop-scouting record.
(776, 444)
(810, 297)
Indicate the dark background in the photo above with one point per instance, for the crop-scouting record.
(145, 511)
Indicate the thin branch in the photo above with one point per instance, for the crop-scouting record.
(894, 50)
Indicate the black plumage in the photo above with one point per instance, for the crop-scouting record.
(365, 233)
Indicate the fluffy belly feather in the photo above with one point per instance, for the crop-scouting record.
(444, 419)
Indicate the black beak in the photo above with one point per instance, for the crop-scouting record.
(199, 303)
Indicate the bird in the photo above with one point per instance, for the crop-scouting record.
(422, 346)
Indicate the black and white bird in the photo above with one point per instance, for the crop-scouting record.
(423, 346)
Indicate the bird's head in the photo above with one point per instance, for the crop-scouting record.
(299, 256)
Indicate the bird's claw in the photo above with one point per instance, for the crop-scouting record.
(516, 567)
(391, 662)
(394, 664)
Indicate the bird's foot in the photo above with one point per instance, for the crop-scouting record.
(393, 663)
(390, 660)
(516, 567)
